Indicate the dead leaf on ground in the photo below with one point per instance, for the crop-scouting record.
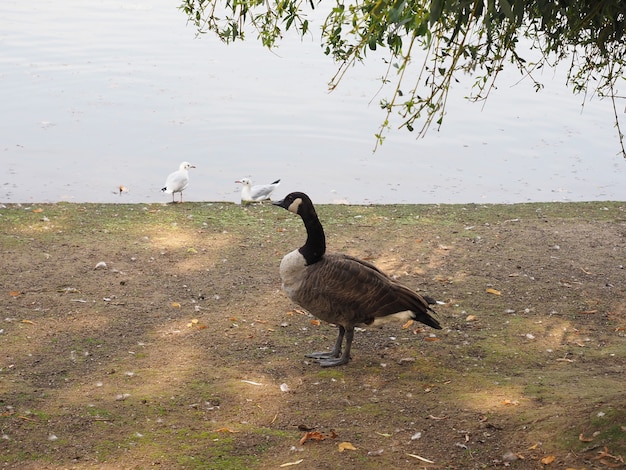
(548, 459)
(510, 402)
(588, 312)
(312, 436)
(493, 291)
(407, 324)
(30, 322)
(316, 322)
(582, 438)
(317, 436)
(604, 455)
(175, 305)
(346, 446)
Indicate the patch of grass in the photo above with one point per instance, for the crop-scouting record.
(330, 373)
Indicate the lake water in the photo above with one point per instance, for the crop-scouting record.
(106, 93)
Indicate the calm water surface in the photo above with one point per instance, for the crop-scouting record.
(107, 93)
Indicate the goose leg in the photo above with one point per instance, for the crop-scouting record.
(345, 357)
(336, 349)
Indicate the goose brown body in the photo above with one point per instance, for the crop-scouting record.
(341, 289)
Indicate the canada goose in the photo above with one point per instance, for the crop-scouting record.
(340, 289)
(177, 181)
(257, 193)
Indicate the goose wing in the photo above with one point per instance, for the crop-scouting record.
(344, 290)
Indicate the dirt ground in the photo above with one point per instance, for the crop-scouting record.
(157, 336)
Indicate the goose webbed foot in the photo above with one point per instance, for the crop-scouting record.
(336, 361)
(334, 357)
(336, 352)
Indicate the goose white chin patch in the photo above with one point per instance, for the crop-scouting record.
(295, 205)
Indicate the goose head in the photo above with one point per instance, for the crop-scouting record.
(298, 203)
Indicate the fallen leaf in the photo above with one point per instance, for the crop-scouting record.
(547, 460)
(37, 210)
(14, 293)
(30, 322)
(510, 402)
(175, 305)
(316, 322)
(534, 446)
(493, 291)
(384, 434)
(431, 338)
(317, 436)
(471, 318)
(407, 324)
(312, 436)
(582, 438)
(346, 446)
(289, 464)
(588, 312)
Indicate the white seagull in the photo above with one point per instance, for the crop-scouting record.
(260, 192)
(177, 182)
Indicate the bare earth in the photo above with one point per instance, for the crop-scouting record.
(182, 351)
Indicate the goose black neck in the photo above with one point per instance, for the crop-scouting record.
(315, 245)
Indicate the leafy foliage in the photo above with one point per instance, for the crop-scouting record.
(458, 36)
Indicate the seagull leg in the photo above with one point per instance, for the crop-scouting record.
(336, 350)
(345, 357)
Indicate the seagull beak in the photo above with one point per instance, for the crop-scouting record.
(278, 203)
